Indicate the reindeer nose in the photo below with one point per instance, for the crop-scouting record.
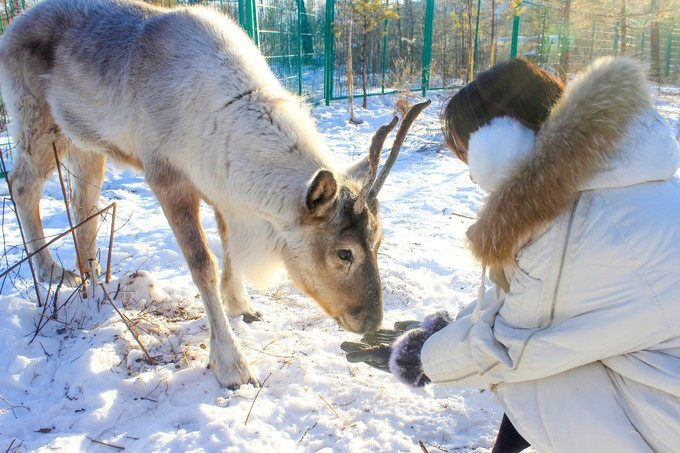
(371, 319)
(372, 324)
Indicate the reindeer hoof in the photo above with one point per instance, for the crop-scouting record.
(54, 274)
(230, 374)
(93, 265)
(251, 317)
(235, 387)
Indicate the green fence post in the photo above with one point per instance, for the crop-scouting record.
(474, 54)
(299, 45)
(384, 58)
(427, 45)
(541, 53)
(668, 52)
(255, 23)
(616, 37)
(515, 32)
(329, 50)
(242, 14)
(250, 20)
(592, 42)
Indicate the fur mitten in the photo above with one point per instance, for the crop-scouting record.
(405, 362)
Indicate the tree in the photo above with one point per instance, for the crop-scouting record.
(564, 54)
(345, 29)
(350, 71)
(654, 46)
(624, 29)
(368, 14)
(492, 50)
(469, 73)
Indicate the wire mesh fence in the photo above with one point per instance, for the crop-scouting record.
(671, 66)
(290, 36)
(388, 46)
(422, 45)
(438, 44)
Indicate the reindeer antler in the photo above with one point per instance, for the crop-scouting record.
(370, 189)
(373, 159)
(396, 146)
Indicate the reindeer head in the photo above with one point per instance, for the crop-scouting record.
(335, 259)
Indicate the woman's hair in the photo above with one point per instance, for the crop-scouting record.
(516, 88)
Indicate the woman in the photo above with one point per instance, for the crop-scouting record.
(581, 234)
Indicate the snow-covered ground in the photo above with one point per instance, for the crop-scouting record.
(82, 384)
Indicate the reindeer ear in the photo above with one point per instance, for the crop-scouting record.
(322, 193)
(358, 171)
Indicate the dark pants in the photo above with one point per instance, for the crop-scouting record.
(508, 439)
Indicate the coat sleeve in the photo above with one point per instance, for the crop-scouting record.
(447, 356)
(489, 351)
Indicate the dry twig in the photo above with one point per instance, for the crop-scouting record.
(117, 447)
(255, 399)
(10, 446)
(308, 430)
(149, 359)
(270, 354)
(56, 238)
(12, 406)
(21, 230)
(328, 404)
(70, 219)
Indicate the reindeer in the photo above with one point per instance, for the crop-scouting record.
(186, 97)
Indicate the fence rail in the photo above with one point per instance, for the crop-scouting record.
(431, 44)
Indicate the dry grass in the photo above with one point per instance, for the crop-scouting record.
(401, 79)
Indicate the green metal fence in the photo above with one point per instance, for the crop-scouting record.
(427, 44)
(671, 54)
(430, 44)
(292, 41)
(433, 42)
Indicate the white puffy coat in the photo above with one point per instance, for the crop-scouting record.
(583, 351)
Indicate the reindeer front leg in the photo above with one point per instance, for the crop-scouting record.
(233, 288)
(88, 169)
(180, 203)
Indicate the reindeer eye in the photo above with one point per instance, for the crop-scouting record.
(345, 255)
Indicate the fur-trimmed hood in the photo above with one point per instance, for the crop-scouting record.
(582, 145)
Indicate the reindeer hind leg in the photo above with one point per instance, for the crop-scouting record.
(34, 163)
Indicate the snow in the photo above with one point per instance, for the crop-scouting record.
(84, 380)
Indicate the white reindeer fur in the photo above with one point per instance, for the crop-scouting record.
(266, 206)
(186, 96)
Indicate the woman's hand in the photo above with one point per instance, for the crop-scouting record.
(398, 350)
(376, 347)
